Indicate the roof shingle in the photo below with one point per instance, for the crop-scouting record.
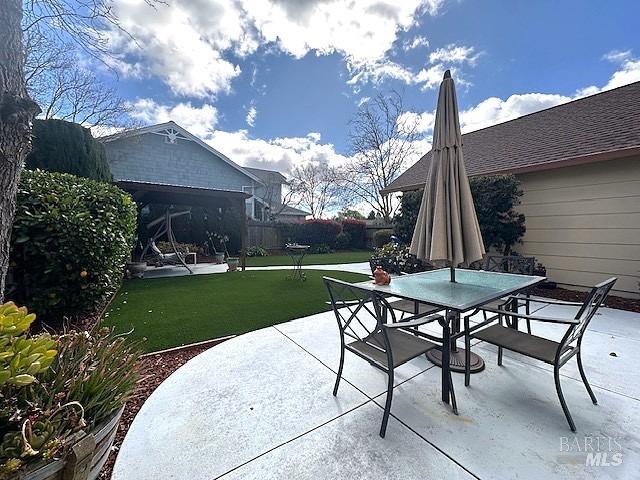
(594, 127)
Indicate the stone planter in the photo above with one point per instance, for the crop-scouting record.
(219, 258)
(232, 263)
(135, 269)
(85, 457)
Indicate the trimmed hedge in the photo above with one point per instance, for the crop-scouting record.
(382, 237)
(71, 238)
(312, 232)
(66, 147)
(357, 229)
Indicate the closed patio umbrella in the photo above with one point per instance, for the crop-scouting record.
(447, 230)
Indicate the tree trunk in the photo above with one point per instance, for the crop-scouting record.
(17, 111)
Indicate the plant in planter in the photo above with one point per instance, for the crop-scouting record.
(215, 241)
(57, 390)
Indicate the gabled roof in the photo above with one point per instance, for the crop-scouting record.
(171, 124)
(267, 175)
(288, 210)
(601, 127)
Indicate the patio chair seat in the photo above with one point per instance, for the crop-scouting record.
(404, 346)
(530, 345)
(409, 306)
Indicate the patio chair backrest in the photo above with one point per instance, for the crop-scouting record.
(359, 313)
(388, 264)
(510, 264)
(594, 300)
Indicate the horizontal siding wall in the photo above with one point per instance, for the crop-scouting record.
(583, 223)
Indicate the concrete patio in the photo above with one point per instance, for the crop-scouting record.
(260, 406)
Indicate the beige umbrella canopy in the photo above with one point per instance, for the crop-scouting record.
(447, 230)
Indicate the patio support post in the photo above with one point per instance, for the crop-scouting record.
(244, 232)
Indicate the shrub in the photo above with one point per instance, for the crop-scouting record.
(357, 229)
(343, 240)
(81, 379)
(256, 251)
(311, 232)
(495, 198)
(407, 262)
(66, 147)
(322, 248)
(404, 222)
(382, 237)
(71, 237)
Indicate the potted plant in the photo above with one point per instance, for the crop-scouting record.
(52, 426)
(232, 263)
(214, 239)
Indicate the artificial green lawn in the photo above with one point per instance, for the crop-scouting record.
(175, 311)
(351, 256)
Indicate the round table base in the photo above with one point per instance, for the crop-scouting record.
(456, 360)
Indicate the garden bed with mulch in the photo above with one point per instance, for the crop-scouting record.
(563, 294)
(154, 369)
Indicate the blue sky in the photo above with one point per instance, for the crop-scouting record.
(273, 83)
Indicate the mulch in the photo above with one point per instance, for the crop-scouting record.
(629, 304)
(157, 367)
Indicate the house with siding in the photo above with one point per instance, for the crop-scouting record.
(166, 161)
(579, 167)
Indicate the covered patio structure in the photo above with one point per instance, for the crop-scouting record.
(147, 193)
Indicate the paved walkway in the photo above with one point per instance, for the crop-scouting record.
(260, 406)
(209, 268)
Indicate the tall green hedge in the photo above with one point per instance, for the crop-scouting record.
(66, 147)
(71, 238)
(495, 198)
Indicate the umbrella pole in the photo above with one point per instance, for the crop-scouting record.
(453, 273)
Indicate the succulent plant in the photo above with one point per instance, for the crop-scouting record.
(21, 358)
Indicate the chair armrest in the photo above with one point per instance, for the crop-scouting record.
(568, 321)
(414, 323)
(541, 300)
(343, 303)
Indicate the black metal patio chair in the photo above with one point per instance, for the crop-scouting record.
(539, 348)
(517, 264)
(364, 331)
(412, 308)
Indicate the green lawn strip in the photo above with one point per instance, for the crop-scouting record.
(176, 311)
(352, 256)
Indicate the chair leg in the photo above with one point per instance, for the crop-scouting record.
(387, 405)
(499, 356)
(565, 409)
(528, 326)
(454, 404)
(467, 360)
(584, 379)
(335, 388)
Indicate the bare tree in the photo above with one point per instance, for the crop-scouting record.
(82, 22)
(66, 89)
(382, 140)
(314, 187)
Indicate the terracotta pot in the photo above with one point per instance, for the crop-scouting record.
(380, 277)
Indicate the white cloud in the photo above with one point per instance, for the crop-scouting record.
(200, 121)
(416, 42)
(187, 43)
(495, 110)
(251, 116)
(424, 121)
(452, 57)
(454, 54)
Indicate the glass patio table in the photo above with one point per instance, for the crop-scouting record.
(472, 289)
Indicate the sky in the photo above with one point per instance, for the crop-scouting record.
(274, 83)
